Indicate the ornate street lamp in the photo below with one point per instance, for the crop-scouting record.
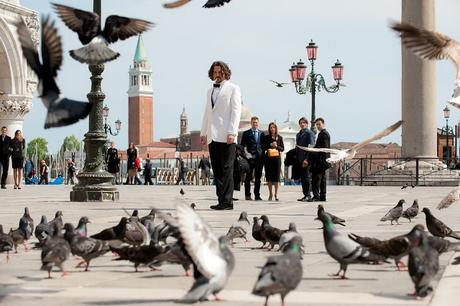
(94, 183)
(314, 81)
(107, 127)
(446, 112)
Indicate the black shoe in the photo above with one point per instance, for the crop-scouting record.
(307, 199)
(301, 199)
(322, 199)
(221, 207)
(234, 199)
(3, 187)
(313, 200)
(248, 198)
(258, 199)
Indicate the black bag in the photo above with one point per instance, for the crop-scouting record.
(243, 165)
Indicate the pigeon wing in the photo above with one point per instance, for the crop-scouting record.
(377, 136)
(325, 150)
(85, 23)
(200, 242)
(215, 3)
(452, 197)
(28, 49)
(118, 27)
(429, 44)
(51, 48)
(175, 4)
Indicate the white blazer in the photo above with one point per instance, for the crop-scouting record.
(224, 118)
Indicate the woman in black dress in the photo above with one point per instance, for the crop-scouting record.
(272, 145)
(18, 146)
(113, 162)
(132, 170)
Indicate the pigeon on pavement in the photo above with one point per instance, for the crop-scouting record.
(6, 243)
(423, 264)
(338, 155)
(281, 274)
(27, 219)
(343, 249)
(55, 251)
(411, 212)
(270, 233)
(334, 219)
(240, 228)
(290, 235)
(436, 227)
(43, 230)
(61, 111)
(395, 213)
(116, 232)
(257, 231)
(432, 46)
(88, 27)
(82, 226)
(150, 217)
(58, 221)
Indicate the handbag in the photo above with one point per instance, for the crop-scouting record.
(273, 152)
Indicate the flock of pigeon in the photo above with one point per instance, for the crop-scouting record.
(184, 238)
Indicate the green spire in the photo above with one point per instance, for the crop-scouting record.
(140, 55)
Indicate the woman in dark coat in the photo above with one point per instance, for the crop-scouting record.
(272, 145)
(113, 162)
(132, 156)
(18, 146)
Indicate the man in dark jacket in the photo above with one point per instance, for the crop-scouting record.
(251, 140)
(318, 163)
(5, 153)
(148, 173)
(304, 138)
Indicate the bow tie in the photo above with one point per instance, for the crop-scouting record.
(215, 85)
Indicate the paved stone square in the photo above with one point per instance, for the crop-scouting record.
(115, 282)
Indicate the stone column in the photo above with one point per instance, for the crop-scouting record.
(418, 88)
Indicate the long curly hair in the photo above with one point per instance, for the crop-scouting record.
(225, 70)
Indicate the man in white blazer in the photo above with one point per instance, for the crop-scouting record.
(220, 130)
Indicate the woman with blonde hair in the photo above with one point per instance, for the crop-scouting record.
(272, 145)
(18, 146)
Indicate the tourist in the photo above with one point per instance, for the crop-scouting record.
(205, 167)
(220, 129)
(181, 171)
(318, 163)
(18, 153)
(273, 145)
(304, 138)
(251, 140)
(131, 163)
(70, 172)
(113, 162)
(137, 178)
(28, 171)
(148, 172)
(43, 173)
(5, 153)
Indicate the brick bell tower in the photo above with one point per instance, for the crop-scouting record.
(140, 95)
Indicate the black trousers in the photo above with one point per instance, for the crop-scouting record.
(318, 184)
(256, 168)
(222, 158)
(5, 163)
(306, 181)
(148, 180)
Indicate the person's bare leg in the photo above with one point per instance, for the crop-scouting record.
(270, 197)
(15, 178)
(276, 190)
(19, 178)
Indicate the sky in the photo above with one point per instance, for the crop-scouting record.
(259, 39)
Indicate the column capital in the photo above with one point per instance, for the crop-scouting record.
(14, 106)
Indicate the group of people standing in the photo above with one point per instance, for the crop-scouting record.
(14, 148)
(219, 131)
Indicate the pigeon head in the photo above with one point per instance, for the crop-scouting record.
(83, 221)
(400, 203)
(415, 204)
(69, 231)
(294, 246)
(243, 216)
(43, 220)
(427, 211)
(123, 221)
(135, 213)
(264, 219)
(292, 227)
(58, 214)
(416, 235)
(26, 211)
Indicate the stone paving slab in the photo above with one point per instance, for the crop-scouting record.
(115, 283)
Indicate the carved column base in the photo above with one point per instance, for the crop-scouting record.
(94, 187)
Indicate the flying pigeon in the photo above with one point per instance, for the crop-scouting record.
(208, 4)
(6, 243)
(140, 254)
(395, 213)
(338, 155)
(432, 46)
(61, 111)
(452, 197)
(240, 228)
(88, 27)
(278, 84)
(55, 252)
(270, 233)
(257, 232)
(343, 249)
(423, 264)
(212, 258)
(86, 248)
(411, 212)
(281, 274)
(436, 227)
(334, 219)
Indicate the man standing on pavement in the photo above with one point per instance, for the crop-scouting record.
(5, 153)
(304, 138)
(318, 163)
(251, 140)
(220, 129)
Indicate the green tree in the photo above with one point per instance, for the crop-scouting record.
(71, 143)
(37, 146)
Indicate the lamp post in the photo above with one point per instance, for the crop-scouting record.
(107, 127)
(314, 81)
(446, 111)
(94, 182)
